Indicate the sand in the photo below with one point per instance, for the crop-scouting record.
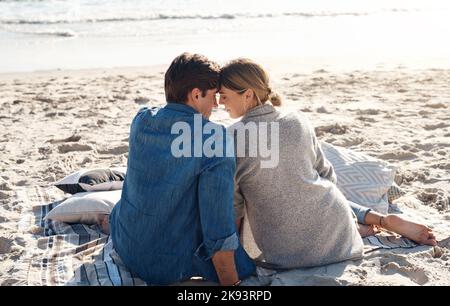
(54, 123)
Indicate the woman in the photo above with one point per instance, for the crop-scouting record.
(297, 215)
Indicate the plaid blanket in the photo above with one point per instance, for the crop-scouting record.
(80, 255)
(68, 254)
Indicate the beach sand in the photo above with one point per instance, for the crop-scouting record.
(54, 123)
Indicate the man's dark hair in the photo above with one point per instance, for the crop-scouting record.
(189, 71)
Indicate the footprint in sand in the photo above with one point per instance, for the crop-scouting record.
(393, 264)
(101, 122)
(119, 97)
(23, 183)
(4, 185)
(445, 243)
(4, 195)
(436, 105)
(121, 149)
(44, 99)
(294, 96)
(431, 127)
(20, 241)
(398, 155)
(435, 197)
(336, 129)
(86, 160)
(5, 245)
(366, 119)
(322, 110)
(348, 142)
(320, 71)
(50, 178)
(45, 150)
(141, 100)
(388, 142)
(306, 110)
(370, 112)
(73, 138)
(416, 275)
(16, 102)
(74, 147)
(443, 166)
(424, 113)
(55, 114)
(409, 148)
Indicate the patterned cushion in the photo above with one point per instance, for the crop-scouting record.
(361, 178)
(394, 193)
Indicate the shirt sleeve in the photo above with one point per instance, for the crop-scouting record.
(215, 190)
(359, 211)
(322, 165)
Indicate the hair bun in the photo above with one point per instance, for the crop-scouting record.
(274, 98)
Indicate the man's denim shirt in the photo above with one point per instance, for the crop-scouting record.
(174, 213)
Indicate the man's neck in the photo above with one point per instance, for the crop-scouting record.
(191, 104)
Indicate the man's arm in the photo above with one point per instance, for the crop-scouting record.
(225, 267)
(216, 186)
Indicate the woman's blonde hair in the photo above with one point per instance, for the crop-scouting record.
(242, 74)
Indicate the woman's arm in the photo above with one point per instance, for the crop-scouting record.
(239, 206)
(322, 165)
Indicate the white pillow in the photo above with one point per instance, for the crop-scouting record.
(93, 180)
(361, 178)
(85, 207)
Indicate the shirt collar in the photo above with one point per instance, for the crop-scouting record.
(181, 108)
(260, 110)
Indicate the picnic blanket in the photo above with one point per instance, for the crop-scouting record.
(68, 254)
(80, 255)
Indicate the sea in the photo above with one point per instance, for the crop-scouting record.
(82, 34)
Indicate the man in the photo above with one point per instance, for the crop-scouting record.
(175, 217)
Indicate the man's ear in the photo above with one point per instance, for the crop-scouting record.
(196, 93)
(193, 96)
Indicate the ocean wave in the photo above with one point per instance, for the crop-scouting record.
(115, 19)
(356, 14)
(176, 17)
(57, 33)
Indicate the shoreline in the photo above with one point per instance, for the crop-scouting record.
(93, 72)
(275, 66)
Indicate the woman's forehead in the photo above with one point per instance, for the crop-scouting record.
(224, 90)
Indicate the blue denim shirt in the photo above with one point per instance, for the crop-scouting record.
(174, 213)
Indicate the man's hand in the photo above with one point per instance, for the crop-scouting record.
(225, 267)
(103, 222)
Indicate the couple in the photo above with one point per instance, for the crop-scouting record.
(179, 217)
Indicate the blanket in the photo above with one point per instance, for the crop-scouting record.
(81, 255)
